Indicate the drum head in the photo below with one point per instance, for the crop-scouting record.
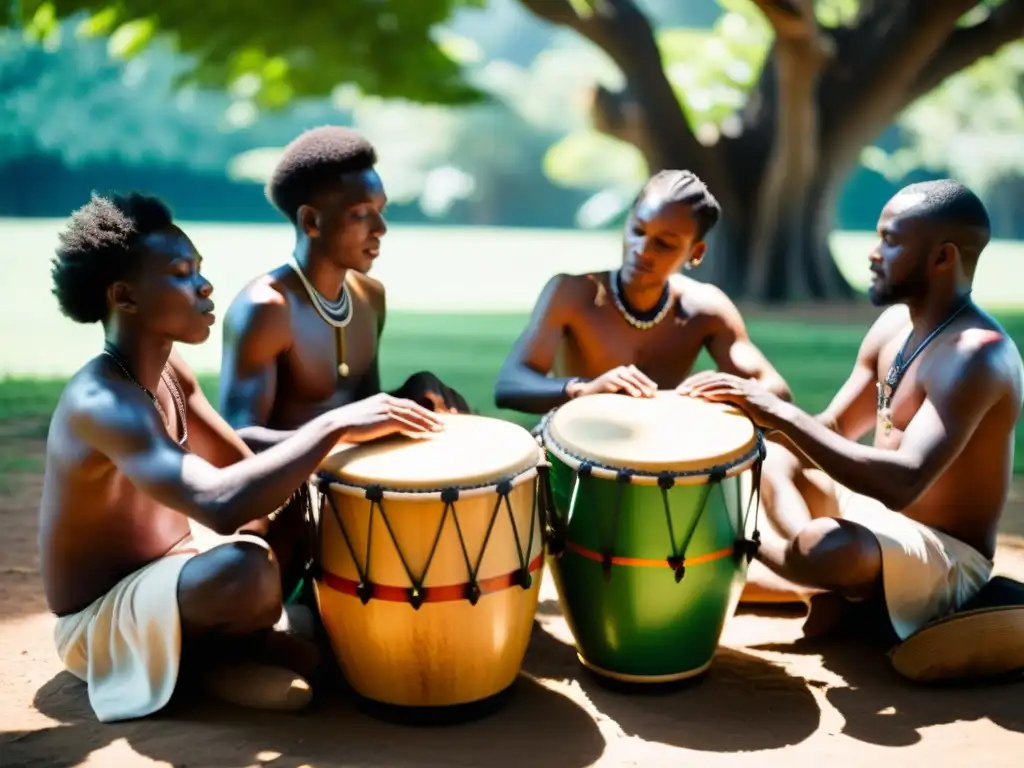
(471, 451)
(667, 433)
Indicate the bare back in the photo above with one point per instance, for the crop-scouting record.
(280, 358)
(95, 526)
(966, 499)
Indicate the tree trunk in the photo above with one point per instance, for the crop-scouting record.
(799, 265)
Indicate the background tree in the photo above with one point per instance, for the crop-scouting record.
(773, 107)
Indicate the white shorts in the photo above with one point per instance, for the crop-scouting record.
(926, 574)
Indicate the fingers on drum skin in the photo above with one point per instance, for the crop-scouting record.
(234, 587)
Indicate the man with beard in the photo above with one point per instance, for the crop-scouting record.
(910, 521)
(135, 453)
(639, 328)
(304, 338)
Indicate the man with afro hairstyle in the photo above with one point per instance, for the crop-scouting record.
(304, 338)
(135, 454)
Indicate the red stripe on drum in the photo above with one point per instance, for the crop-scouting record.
(447, 593)
(640, 562)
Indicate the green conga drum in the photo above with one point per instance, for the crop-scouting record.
(652, 522)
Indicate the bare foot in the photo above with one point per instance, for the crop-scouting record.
(290, 651)
(258, 686)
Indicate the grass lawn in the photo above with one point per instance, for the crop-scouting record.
(457, 298)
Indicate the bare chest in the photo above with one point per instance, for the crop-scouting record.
(899, 393)
(325, 367)
(601, 340)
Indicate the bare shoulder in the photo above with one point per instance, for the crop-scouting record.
(985, 351)
(371, 289)
(101, 411)
(705, 299)
(261, 309)
(573, 291)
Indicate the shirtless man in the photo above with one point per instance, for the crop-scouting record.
(911, 519)
(305, 337)
(135, 452)
(641, 327)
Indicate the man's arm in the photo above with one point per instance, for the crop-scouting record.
(733, 351)
(371, 385)
(122, 424)
(957, 398)
(523, 383)
(256, 333)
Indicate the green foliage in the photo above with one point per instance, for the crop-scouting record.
(971, 126)
(271, 54)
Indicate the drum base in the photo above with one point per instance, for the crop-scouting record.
(452, 714)
(645, 683)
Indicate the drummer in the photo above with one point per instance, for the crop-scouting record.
(913, 518)
(305, 337)
(638, 328)
(136, 453)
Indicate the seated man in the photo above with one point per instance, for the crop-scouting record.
(305, 337)
(135, 452)
(638, 328)
(912, 519)
(648, 335)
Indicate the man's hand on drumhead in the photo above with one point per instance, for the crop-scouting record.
(764, 408)
(627, 379)
(383, 415)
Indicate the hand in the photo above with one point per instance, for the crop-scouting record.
(431, 393)
(764, 409)
(383, 415)
(626, 378)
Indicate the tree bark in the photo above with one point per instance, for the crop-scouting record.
(822, 96)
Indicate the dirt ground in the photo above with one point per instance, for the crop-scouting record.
(771, 699)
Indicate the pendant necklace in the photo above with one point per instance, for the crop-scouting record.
(168, 378)
(337, 313)
(643, 321)
(887, 388)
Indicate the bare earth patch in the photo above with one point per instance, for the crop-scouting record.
(771, 699)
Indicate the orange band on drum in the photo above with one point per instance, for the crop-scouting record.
(641, 562)
(443, 594)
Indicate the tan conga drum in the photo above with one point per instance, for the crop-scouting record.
(428, 565)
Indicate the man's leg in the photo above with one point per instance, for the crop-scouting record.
(231, 608)
(792, 494)
(834, 561)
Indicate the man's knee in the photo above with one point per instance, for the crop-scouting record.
(233, 587)
(836, 554)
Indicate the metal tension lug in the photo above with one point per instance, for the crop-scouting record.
(523, 578)
(678, 568)
(415, 598)
(364, 591)
(473, 593)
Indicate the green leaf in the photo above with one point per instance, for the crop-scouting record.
(98, 24)
(131, 38)
(587, 159)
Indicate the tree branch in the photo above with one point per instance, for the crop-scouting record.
(1005, 24)
(646, 112)
(895, 43)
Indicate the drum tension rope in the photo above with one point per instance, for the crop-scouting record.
(417, 592)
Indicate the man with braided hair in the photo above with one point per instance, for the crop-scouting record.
(639, 328)
(304, 338)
